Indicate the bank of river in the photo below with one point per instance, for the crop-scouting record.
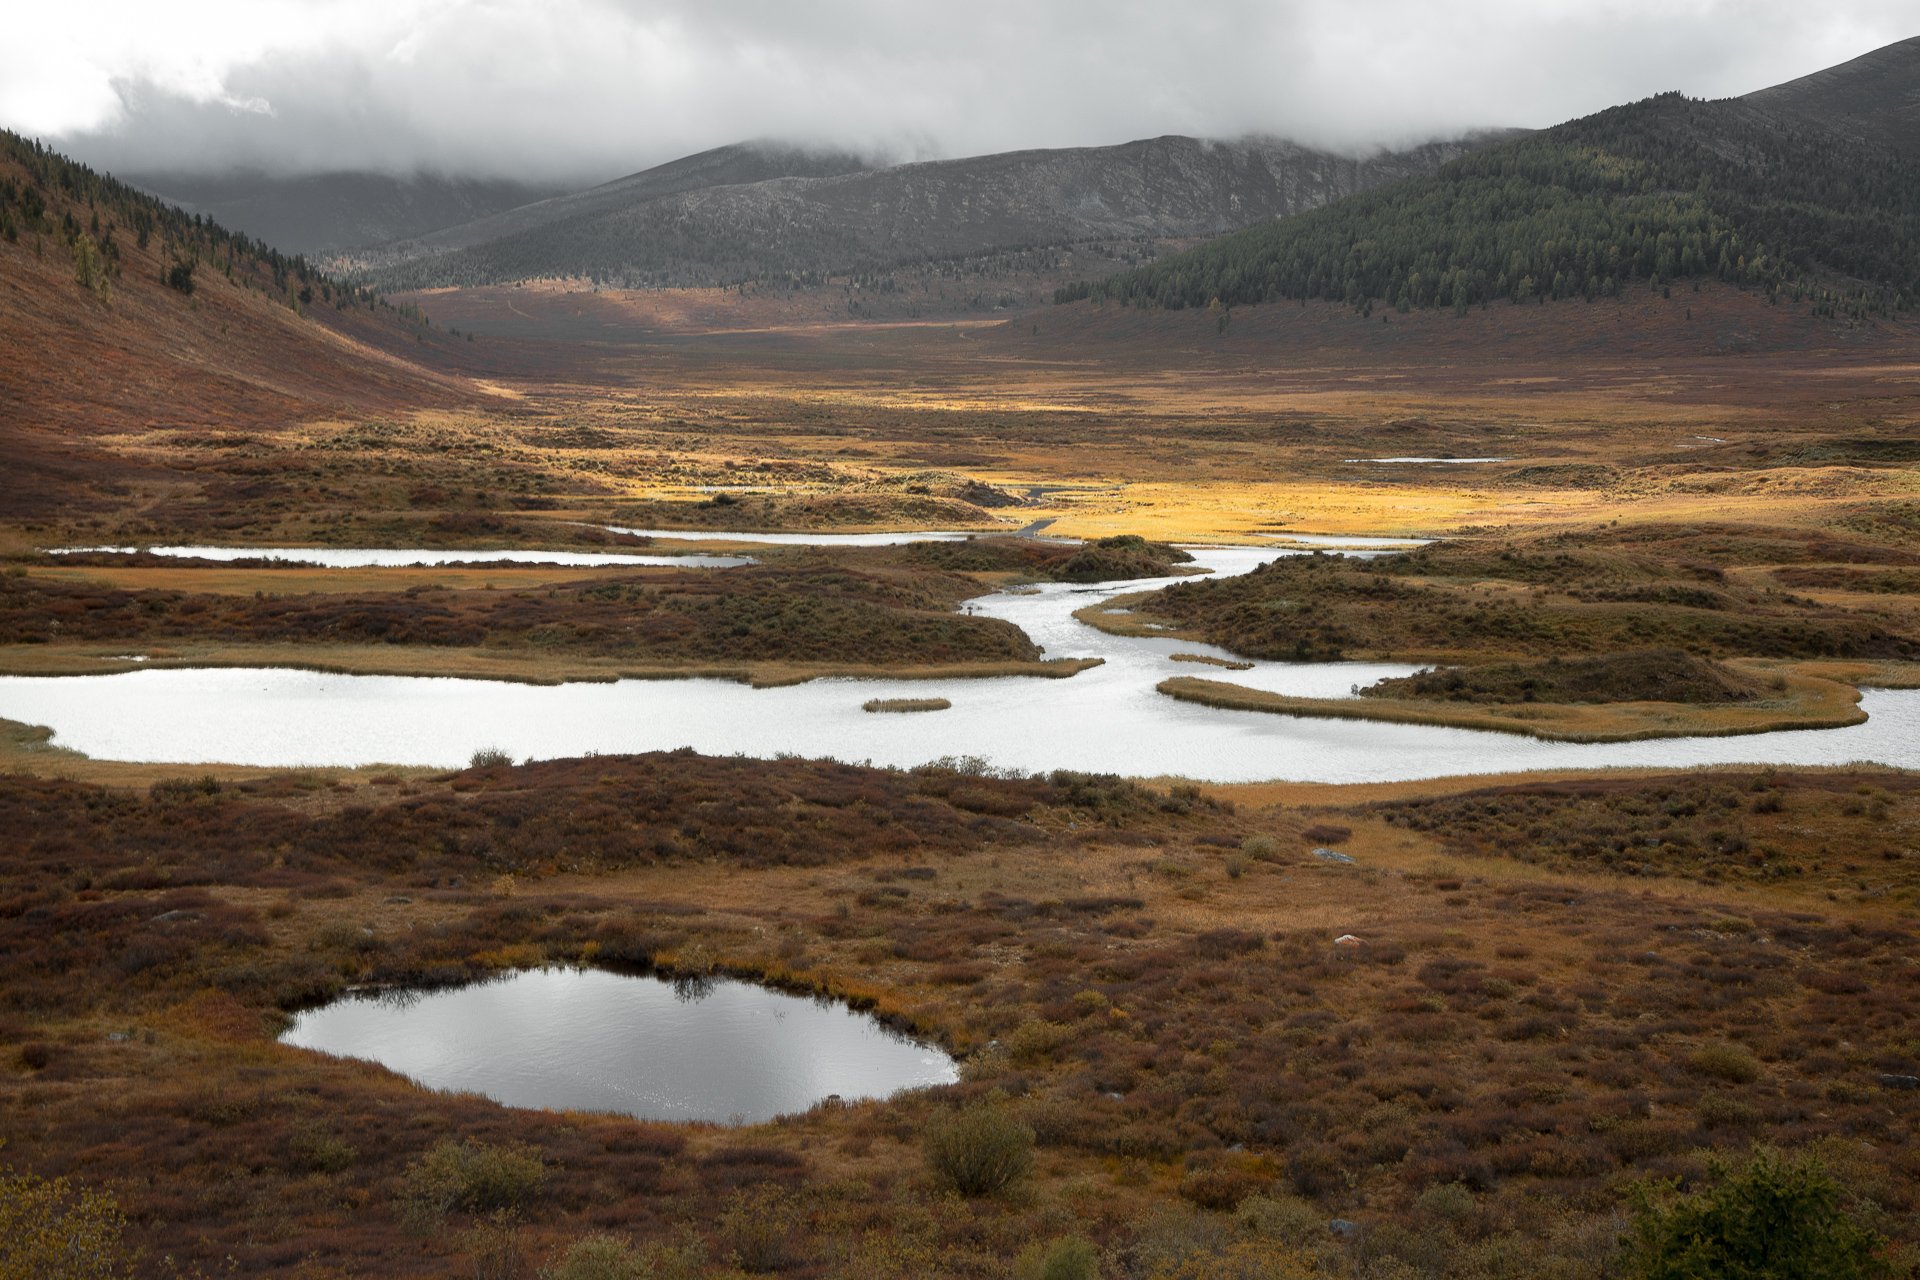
(1109, 718)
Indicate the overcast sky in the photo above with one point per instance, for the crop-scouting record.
(589, 89)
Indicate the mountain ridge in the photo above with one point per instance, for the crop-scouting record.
(1792, 189)
(322, 213)
(1875, 96)
(868, 219)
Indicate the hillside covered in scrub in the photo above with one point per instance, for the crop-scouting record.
(120, 311)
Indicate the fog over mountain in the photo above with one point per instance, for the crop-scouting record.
(573, 92)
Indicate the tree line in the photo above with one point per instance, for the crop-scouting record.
(1638, 196)
(96, 213)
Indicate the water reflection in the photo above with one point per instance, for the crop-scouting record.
(403, 558)
(1106, 719)
(698, 1048)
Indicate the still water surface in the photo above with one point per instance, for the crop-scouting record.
(1108, 719)
(592, 1040)
(402, 558)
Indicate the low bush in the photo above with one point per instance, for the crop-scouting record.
(980, 1149)
(471, 1177)
(1260, 847)
(497, 1248)
(598, 1257)
(51, 1230)
(1447, 1201)
(319, 1150)
(758, 1230)
(1066, 1258)
(609, 1257)
(1285, 1219)
(1728, 1062)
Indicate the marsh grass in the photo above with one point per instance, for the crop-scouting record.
(1227, 664)
(1805, 703)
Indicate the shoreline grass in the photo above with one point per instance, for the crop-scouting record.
(472, 664)
(1808, 703)
(1226, 664)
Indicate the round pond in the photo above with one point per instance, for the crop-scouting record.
(594, 1040)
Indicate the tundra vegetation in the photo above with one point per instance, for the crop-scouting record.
(1604, 634)
(1558, 993)
(1515, 1028)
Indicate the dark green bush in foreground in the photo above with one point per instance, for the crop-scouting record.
(1774, 1219)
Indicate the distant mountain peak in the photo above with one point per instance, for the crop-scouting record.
(1875, 96)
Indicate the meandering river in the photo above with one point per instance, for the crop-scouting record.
(1107, 719)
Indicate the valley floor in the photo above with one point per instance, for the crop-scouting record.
(1556, 986)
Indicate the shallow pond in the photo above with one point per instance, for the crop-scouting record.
(402, 558)
(593, 1040)
(1107, 719)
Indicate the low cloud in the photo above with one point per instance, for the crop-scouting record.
(579, 90)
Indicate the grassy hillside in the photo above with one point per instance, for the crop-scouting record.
(1634, 197)
(119, 313)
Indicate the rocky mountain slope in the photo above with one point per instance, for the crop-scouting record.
(1875, 97)
(712, 219)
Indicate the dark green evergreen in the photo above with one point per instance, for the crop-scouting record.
(1774, 1219)
(189, 239)
(1635, 197)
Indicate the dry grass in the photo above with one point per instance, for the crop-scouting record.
(479, 664)
(1807, 703)
(1528, 1029)
(1523, 1018)
(1210, 661)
